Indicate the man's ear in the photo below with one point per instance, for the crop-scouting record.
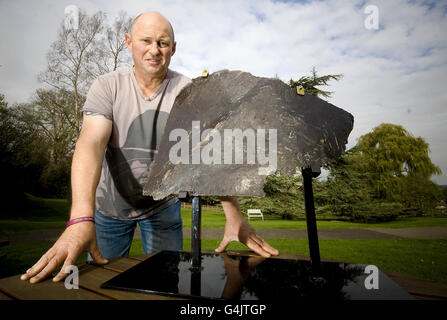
(174, 47)
(128, 40)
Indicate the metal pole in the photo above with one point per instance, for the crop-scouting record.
(196, 248)
(196, 283)
(196, 233)
(311, 220)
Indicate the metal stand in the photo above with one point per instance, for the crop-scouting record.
(311, 222)
(196, 226)
(196, 247)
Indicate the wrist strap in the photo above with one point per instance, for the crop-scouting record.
(81, 219)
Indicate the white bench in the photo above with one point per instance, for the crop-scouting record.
(254, 213)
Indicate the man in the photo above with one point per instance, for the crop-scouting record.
(123, 120)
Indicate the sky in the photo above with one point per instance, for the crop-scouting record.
(392, 54)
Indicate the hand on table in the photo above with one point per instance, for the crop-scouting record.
(240, 230)
(76, 239)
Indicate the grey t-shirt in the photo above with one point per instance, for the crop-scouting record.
(138, 125)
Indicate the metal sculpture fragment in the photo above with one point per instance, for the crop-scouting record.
(228, 131)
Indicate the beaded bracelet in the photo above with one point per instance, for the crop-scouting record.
(81, 219)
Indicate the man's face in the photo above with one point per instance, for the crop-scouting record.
(151, 45)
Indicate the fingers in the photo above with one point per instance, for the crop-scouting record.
(68, 247)
(260, 246)
(49, 262)
(39, 266)
(62, 274)
(254, 242)
(225, 242)
(223, 245)
(49, 268)
(44, 267)
(268, 248)
(248, 236)
(97, 257)
(257, 248)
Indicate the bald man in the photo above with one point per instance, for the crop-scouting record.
(124, 117)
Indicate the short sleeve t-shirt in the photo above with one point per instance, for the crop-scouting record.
(138, 126)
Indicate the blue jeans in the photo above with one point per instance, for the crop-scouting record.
(161, 231)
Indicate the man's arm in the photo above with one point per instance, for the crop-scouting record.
(87, 163)
(85, 173)
(238, 229)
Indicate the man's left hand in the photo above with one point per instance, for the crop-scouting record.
(243, 232)
(238, 229)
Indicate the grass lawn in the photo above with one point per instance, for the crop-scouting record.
(42, 213)
(215, 218)
(42, 209)
(8, 226)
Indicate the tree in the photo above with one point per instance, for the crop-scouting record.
(386, 174)
(8, 144)
(311, 83)
(22, 155)
(37, 138)
(52, 113)
(111, 47)
(71, 57)
(419, 195)
(349, 195)
(392, 156)
(283, 198)
(75, 59)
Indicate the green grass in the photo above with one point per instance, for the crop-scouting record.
(40, 213)
(35, 214)
(215, 218)
(9, 226)
(212, 219)
(426, 259)
(38, 209)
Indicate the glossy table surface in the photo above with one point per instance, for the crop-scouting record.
(92, 277)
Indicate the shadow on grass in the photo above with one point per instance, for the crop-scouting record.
(37, 209)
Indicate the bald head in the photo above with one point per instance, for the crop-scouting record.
(151, 17)
(151, 42)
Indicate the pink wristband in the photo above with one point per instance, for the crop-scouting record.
(73, 221)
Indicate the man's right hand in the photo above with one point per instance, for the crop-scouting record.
(76, 239)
